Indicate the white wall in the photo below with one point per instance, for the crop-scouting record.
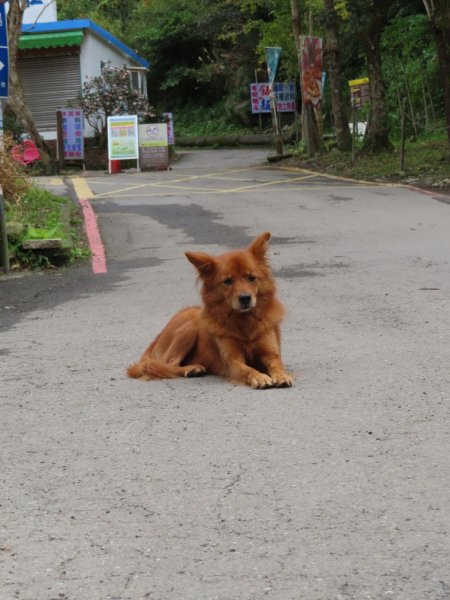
(41, 11)
(93, 52)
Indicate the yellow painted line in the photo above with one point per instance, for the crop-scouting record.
(244, 190)
(81, 188)
(178, 180)
(338, 177)
(56, 181)
(126, 189)
(273, 182)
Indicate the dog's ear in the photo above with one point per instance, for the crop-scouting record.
(259, 245)
(204, 263)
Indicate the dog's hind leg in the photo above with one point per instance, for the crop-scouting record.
(180, 350)
(165, 356)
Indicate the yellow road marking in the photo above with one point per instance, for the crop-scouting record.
(274, 182)
(83, 191)
(204, 192)
(81, 188)
(338, 177)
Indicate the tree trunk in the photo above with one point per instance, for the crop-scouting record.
(310, 130)
(332, 56)
(378, 130)
(16, 101)
(439, 15)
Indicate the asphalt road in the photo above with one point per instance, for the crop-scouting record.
(335, 489)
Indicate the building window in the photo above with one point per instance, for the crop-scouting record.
(135, 83)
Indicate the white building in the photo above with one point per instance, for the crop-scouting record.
(56, 57)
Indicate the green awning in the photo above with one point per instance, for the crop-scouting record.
(31, 41)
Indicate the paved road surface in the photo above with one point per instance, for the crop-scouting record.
(336, 489)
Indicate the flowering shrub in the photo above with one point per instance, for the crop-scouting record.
(111, 94)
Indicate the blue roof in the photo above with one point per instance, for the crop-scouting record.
(72, 24)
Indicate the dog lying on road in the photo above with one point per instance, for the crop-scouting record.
(235, 334)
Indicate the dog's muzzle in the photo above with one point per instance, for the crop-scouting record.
(245, 301)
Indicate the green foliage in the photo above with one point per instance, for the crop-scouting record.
(113, 15)
(411, 70)
(216, 120)
(426, 161)
(198, 49)
(39, 213)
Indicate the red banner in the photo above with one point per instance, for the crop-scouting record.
(312, 67)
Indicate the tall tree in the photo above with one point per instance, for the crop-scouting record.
(332, 58)
(368, 19)
(16, 101)
(439, 14)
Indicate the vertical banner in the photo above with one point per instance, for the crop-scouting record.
(170, 132)
(312, 68)
(72, 120)
(123, 138)
(273, 55)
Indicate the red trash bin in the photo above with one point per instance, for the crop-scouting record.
(115, 166)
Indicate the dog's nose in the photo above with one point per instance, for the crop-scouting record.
(245, 300)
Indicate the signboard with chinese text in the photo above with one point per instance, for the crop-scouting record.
(359, 92)
(284, 97)
(123, 138)
(72, 121)
(153, 146)
(312, 68)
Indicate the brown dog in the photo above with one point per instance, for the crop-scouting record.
(236, 334)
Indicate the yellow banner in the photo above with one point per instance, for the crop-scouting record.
(354, 82)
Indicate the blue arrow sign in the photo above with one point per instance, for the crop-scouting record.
(4, 53)
(4, 72)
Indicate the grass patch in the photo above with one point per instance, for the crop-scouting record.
(427, 161)
(40, 215)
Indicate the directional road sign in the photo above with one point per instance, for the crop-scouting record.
(4, 53)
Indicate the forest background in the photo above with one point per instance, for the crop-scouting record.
(205, 53)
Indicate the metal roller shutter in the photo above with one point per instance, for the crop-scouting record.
(49, 82)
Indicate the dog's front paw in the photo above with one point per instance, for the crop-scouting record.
(282, 380)
(260, 381)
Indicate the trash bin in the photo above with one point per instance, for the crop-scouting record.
(115, 166)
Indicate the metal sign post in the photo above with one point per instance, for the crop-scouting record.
(4, 255)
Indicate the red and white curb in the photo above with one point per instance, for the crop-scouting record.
(96, 246)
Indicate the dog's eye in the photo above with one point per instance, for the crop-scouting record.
(251, 278)
(228, 281)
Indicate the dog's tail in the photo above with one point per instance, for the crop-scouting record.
(135, 371)
(151, 368)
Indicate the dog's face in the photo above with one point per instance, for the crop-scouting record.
(236, 279)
